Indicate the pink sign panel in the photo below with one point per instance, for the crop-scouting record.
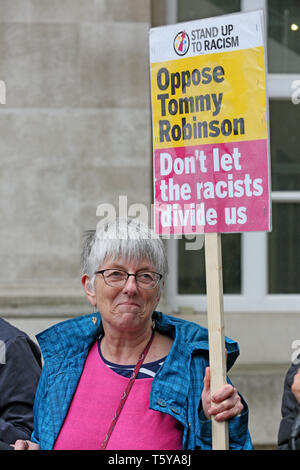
(212, 188)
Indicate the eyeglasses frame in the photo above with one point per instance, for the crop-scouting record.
(128, 275)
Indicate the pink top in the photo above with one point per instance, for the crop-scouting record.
(94, 403)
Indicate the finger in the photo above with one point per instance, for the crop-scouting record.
(20, 445)
(33, 446)
(297, 377)
(225, 405)
(206, 380)
(230, 413)
(224, 393)
(228, 409)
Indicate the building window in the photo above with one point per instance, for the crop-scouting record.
(283, 241)
(196, 9)
(191, 266)
(261, 271)
(284, 36)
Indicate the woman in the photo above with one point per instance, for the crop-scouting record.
(84, 399)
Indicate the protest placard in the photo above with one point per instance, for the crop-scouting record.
(210, 129)
(211, 147)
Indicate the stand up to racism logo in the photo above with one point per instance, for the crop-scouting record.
(181, 43)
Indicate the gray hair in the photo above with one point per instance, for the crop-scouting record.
(128, 239)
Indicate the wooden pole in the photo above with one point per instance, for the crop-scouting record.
(215, 314)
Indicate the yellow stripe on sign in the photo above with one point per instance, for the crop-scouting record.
(209, 99)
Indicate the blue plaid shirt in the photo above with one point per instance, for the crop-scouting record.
(176, 388)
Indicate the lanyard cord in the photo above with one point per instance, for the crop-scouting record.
(126, 393)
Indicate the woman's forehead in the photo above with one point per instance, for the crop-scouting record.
(123, 263)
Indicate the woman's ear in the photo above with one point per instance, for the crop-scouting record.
(89, 290)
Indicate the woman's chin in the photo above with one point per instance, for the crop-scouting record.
(131, 321)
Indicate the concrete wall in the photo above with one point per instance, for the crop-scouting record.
(76, 133)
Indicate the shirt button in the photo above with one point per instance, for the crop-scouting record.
(161, 403)
(175, 410)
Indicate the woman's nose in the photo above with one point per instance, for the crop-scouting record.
(131, 285)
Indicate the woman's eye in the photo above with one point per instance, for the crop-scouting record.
(145, 276)
(115, 274)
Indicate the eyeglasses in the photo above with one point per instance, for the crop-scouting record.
(118, 278)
